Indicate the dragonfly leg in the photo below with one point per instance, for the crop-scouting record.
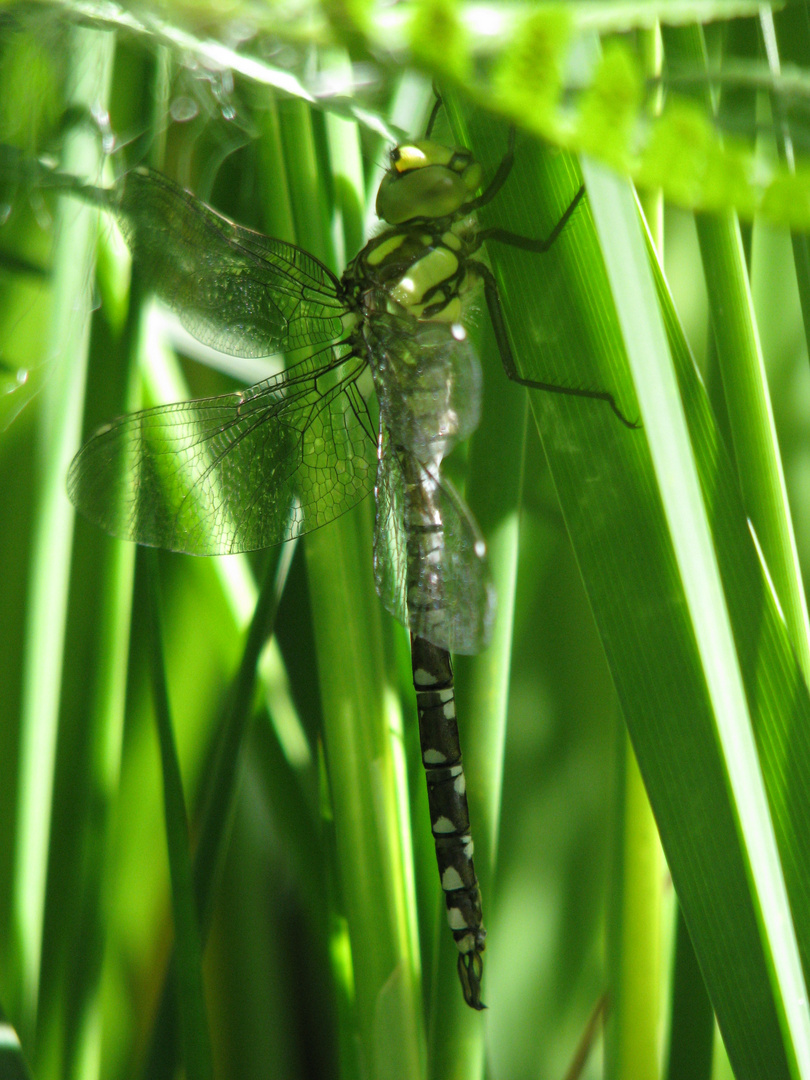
(449, 817)
(508, 360)
(497, 181)
(539, 245)
(434, 112)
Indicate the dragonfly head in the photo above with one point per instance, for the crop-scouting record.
(426, 180)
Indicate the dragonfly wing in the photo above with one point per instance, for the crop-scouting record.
(233, 289)
(390, 538)
(428, 381)
(445, 596)
(459, 564)
(237, 472)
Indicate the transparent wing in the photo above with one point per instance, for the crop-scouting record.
(444, 595)
(390, 537)
(237, 472)
(428, 381)
(234, 289)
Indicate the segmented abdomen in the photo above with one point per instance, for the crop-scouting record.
(438, 734)
(449, 817)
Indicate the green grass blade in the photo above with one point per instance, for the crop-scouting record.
(608, 490)
(194, 1023)
(634, 965)
(357, 726)
(90, 55)
(751, 417)
(774, 685)
(750, 414)
(13, 1065)
(219, 805)
(787, 32)
(217, 816)
(91, 728)
(615, 214)
(692, 1027)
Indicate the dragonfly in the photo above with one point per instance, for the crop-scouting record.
(251, 469)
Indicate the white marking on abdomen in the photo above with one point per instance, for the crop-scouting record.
(443, 825)
(451, 880)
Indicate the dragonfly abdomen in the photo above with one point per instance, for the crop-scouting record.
(426, 553)
(438, 725)
(449, 816)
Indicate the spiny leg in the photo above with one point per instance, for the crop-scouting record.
(503, 235)
(449, 817)
(508, 360)
(434, 112)
(540, 244)
(498, 180)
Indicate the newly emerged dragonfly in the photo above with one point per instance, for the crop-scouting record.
(248, 470)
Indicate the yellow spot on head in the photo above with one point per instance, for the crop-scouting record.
(408, 157)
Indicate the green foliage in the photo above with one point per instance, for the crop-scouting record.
(610, 107)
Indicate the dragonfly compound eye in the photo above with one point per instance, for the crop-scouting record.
(426, 180)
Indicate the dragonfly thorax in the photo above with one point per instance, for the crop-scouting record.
(426, 180)
(417, 270)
